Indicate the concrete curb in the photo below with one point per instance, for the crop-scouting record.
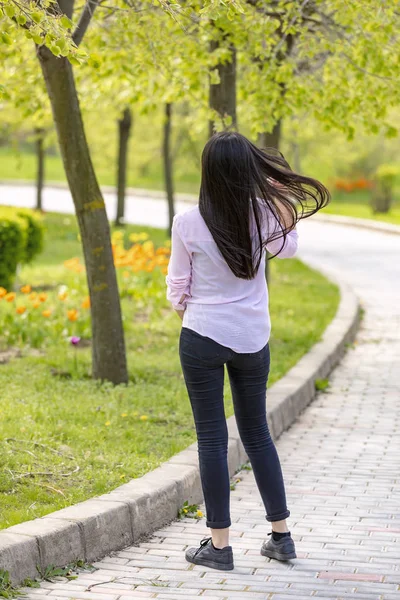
(96, 527)
(361, 223)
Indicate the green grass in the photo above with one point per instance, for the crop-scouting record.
(22, 167)
(66, 440)
(357, 204)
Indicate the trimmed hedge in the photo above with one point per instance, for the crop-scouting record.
(21, 239)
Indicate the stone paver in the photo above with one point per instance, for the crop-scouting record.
(341, 465)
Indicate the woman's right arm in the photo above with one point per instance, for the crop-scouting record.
(286, 222)
(287, 249)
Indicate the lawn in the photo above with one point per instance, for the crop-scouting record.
(65, 438)
(22, 167)
(357, 204)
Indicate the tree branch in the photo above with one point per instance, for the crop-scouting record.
(84, 21)
(67, 7)
(356, 66)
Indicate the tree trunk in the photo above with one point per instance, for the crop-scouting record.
(296, 157)
(222, 96)
(271, 139)
(124, 126)
(40, 167)
(108, 347)
(168, 175)
(382, 199)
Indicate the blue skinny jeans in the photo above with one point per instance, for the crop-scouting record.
(202, 360)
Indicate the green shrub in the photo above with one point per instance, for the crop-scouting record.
(35, 235)
(385, 177)
(21, 239)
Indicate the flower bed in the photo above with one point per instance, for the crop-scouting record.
(37, 318)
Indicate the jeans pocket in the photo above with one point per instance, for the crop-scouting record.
(199, 346)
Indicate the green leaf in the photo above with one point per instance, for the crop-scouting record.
(37, 38)
(6, 38)
(21, 19)
(66, 22)
(391, 132)
(74, 61)
(94, 61)
(36, 16)
(55, 50)
(9, 10)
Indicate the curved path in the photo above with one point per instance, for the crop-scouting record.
(139, 208)
(341, 465)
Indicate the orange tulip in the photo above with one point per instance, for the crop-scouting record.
(62, 296)
(33, 296)
(46, 313)
(26, 289)
(20, 310)
(86, 302)
(72, 314)
(10, 296)
(42, 297)
(3, 292)
(36, 303)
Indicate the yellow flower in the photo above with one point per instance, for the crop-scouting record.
(107, 423)
(199, 514)
(86, 302)
(144, 418)
(134, 237)
(10, 296)
(20, 310)
(33, 296)
(126, 274)
(62, 296)
(26, 289)
(124, 415)
(164, 270)
(42, 297)
(143, 236)
(46, 313)
(3, 292)
(162, 250)
(148, 247)
(185, 510)
(72, 314)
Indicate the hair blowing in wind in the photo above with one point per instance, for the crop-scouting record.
(237, 178)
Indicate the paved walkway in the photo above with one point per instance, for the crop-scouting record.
(341, 466)
(139, 209)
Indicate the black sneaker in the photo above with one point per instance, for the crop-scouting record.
(282, 549)
(207, 556)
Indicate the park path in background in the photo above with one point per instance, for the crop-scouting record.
(341, 465)
(58, 199)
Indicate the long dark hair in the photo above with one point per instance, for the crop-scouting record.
(237, 175)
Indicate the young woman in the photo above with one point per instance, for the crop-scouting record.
(250, 201)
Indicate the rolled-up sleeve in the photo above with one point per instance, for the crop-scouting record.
(287, 249)
(179, 268)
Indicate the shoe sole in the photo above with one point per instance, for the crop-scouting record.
(211, 564)
(278, 555)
